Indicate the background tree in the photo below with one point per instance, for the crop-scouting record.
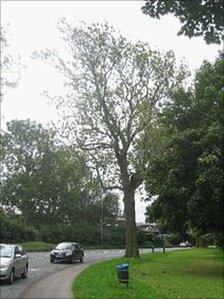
(110, 206)
(24, 145)
(199, 17)
(51, 186)
(186, 172)
(113, 83)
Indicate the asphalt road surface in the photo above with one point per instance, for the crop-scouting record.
(46, 280)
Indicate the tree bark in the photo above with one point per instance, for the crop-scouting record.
(131, 249)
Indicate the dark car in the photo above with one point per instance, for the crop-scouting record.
(67, 252)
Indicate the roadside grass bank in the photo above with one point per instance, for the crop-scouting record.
(37, 246)
(191, 273)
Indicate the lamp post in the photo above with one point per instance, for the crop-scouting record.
(164, 247)
(102, 220)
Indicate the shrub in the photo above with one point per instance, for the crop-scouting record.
(13, 230)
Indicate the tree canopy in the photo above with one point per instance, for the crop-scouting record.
(199, 17)
(11, 65)
(186, 172)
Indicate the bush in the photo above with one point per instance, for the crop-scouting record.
(37, 246)
(114, 235)
(84, 233)
(13, 230)
(214, 239)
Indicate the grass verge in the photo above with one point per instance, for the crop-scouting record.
(193, 273)
(37, 246)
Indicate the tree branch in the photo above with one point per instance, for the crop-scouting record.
(96, 168)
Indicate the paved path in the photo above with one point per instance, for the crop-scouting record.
(57, 285)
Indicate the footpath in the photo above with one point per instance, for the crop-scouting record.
(57, 285)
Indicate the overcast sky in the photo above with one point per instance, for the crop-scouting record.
(33, 26)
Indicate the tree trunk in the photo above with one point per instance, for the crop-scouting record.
(200, 242)
(131, 249)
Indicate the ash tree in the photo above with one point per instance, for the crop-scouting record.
(113, 90)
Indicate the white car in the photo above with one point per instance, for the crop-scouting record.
(185, 244)
(13, 262)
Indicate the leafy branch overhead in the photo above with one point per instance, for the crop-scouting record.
(11, 65)
(198, 17)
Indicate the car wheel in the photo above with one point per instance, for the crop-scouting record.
(52, 261)
(25, 273)
(81, 259)
(11, 276)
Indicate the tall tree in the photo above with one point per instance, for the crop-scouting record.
(199, 17)
(23, 146)
(187, 172)
(113, 83)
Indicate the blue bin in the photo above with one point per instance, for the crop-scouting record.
(123, 273)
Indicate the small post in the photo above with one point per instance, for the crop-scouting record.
(153, 248)
(102, 221)
(127, 284)
(164, 246)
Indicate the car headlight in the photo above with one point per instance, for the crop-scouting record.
(69, 252)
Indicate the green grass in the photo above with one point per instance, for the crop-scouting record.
(37, 246)
(192, 273)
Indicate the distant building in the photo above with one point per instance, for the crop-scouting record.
(120, 221)
(148, 227)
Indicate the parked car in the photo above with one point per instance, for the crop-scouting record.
(13, 262)
(185, 244)
(67, 252)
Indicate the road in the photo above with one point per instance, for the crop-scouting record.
(40, 267)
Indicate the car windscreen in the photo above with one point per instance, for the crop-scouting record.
(6, 251)
(63, 246)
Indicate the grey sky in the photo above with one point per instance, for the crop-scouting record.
(33, 26)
